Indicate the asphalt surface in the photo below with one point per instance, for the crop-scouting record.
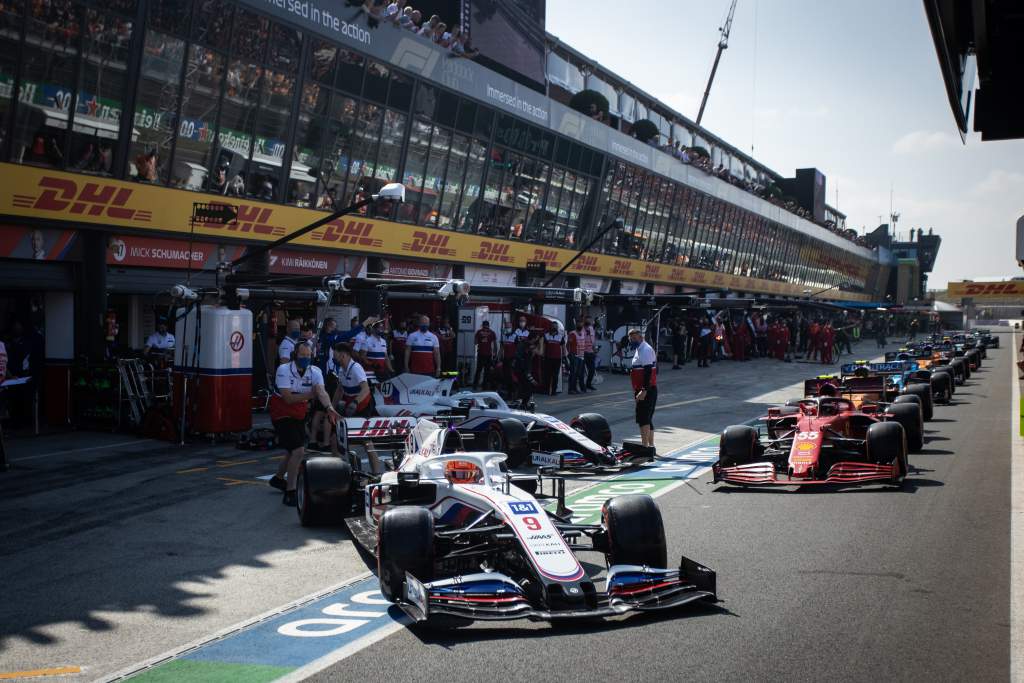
(116, 550)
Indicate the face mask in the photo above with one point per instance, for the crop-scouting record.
(294, 334)
(302, 363)
(424, 328)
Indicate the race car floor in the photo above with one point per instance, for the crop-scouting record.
(116, 550)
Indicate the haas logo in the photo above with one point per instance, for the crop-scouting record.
(427, 243)
(492, 251)
(86, 198)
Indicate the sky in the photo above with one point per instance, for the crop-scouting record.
(851, 87)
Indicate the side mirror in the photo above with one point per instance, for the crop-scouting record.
(392, 191)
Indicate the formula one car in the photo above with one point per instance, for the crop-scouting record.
(887, 382)
(935, 360)
(456, 534)
(822, 440)
(487, 422)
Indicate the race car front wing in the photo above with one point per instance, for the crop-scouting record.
(494, 597)
(766, 474)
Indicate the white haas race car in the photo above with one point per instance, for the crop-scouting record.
(458, 536)
(487, 422)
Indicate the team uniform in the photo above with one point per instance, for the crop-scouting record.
(375, 348)
(399, 338)
(161, 342)
(552, 360)
(644, 375)
(349, 379)
(289, 420)
(484, 340)
(421, 352)
(285, 349)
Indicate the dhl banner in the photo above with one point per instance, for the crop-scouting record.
(1009, 289)
(45, 194)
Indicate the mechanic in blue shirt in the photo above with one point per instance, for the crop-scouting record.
(354, 330)
(329, 336)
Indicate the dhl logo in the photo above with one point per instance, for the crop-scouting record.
(677, 274)
(719, 279)
(426, 243)
(586, 264)
(87, 198)
(699, 276)
(652, 270)
(254, 219)
(984, 288)
(350, 232)
(492, 251)
(548, 256)
(622, 267)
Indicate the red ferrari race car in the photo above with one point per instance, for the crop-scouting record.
(824, 440)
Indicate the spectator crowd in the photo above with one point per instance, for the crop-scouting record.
(404, 16)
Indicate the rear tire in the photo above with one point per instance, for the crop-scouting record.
(942, 385)
(924, 393)
(510, 437)
(593, 426)
(636, 533)
(405, 543)
(738, 446)
(323, 491)
(959, 371)
(886, 443)
(950, 373)
(909, 416)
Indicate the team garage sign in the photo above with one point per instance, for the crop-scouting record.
(41, 193)
(1008, 289)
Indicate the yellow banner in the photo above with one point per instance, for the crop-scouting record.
(1008, 289)
(42, 193)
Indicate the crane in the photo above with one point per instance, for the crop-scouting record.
(723, 43)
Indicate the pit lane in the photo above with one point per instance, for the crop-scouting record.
(116, 556)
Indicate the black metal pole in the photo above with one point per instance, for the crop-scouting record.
(591, 243)
(259, 251)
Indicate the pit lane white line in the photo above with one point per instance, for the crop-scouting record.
(79, 450)
(1016, 526)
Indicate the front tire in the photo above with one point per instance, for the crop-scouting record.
(593, 426)
(738, 446)
(636, 533)
(909, 416)
(924, 393)
(323, 490)
(886, 443)
(405, 543)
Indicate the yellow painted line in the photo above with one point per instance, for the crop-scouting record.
(55, 671)
(686, 403)
(234, 463)
(277, 457)
(235, 482)
(194, 469)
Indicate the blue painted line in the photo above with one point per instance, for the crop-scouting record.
(305, 634)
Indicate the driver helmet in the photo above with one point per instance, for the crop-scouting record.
(861, 372)
(463, 472)
(828, 389)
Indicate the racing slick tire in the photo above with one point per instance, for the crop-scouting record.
(509, 436)
(975, 355)
(323, 490)
(950, 373)
(909, 415)
(924, 394)
(965, 364)
(738, 446)
(942, 386)
(405, 543)
(593, 426)
(886, 442)
(636, 533)
(959, 370)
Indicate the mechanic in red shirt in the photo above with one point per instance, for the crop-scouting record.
(644, 378)
(574, 349)
(554, 344)
(486, 344)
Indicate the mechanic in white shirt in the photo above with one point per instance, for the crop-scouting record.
(375, 350)
(644, 377)
(423, 351)
(297, 383)
(521, 333)
(161, 340)
(287, 345)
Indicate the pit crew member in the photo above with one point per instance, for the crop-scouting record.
(644, 377)
(423, 352)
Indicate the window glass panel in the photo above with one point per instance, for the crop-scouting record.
(447, 108)
(237, 120)
(310, 128)
(375, 87)
(341, 131)
(251, 37)
(49, 69)
(204, 76)
(400, 95)
(156, 107)
(323, 61)
(212, 25)
(457, 161)
(415, 168)
(10, 31)
(350, 68)
(495, 202)
(367, 137)
(271, 131)
(98, 103)
(426, 101)
(484, 123)
(285, 48)
(169, 16)
(390, 146)
(467, 114)
(469, 206)
(534, 180)
(433, 185)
